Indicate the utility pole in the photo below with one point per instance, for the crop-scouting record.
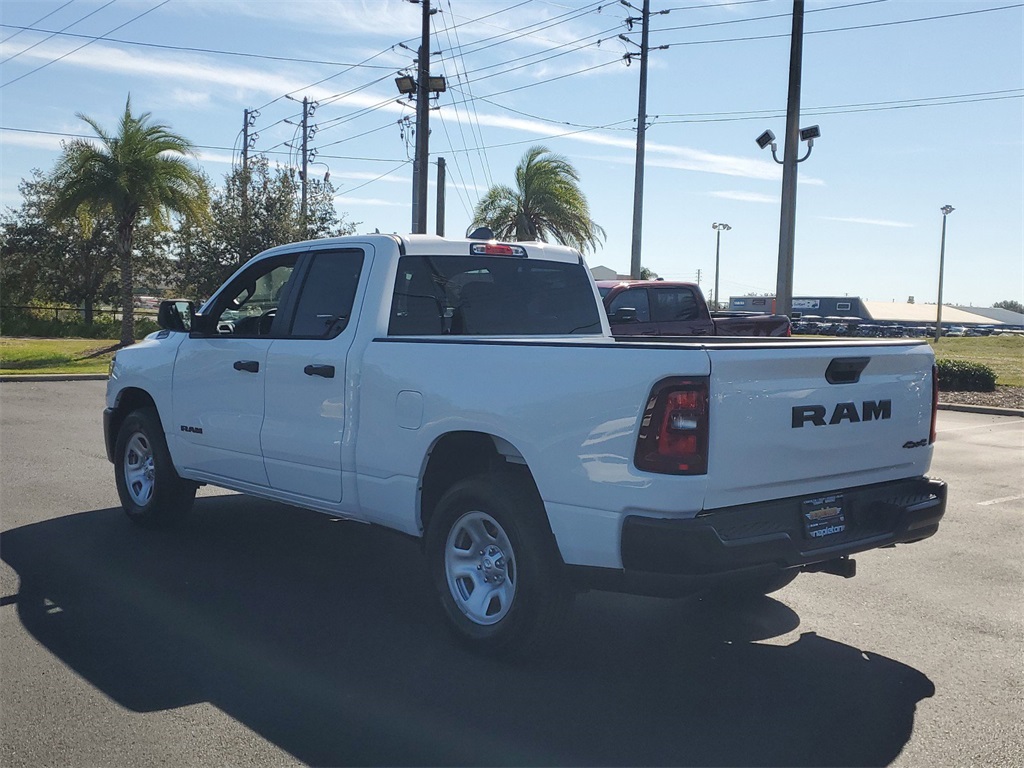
(439, 229)
(641, 130)
(787, 224)
(305, 160)
(248, 121)
(419, 170)
(308, 108)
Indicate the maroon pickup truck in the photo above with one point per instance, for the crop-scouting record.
(663, 308)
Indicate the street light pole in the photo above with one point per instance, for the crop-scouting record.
(718, 227)
(946, 210)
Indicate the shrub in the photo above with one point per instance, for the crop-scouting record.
(47, 323)
(963, 376)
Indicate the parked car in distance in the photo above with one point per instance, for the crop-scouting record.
(668, 308)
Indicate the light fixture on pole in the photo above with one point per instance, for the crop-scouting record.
(946, 210)
(719, 227)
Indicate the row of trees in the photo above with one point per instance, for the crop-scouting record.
(129, 208)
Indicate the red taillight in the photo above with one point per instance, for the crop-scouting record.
(935, 402)
(674, 432)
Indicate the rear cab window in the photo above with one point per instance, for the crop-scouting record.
(491, 296)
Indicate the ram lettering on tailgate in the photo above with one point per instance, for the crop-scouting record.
(870, 410)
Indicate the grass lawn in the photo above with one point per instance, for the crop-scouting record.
(26, 356)
(1003, 354)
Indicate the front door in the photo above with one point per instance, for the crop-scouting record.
(219, 376)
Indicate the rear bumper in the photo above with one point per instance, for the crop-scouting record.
(664, 556)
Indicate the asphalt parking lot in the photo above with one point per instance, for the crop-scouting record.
(264, 635)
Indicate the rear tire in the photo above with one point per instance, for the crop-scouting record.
(152, 493)
(496, 566)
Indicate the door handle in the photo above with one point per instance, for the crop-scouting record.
(252, 366)
(327, 371)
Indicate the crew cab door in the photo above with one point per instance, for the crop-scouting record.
(218, 383)
(677, 310)
(305, 416)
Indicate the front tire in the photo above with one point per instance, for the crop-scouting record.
(152, 494)
(496, 566)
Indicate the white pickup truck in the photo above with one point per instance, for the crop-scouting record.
(469, 393)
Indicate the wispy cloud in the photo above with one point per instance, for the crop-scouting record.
(745, 197)
(869, 222)
(186, 70)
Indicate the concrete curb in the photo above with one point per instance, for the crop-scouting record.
(984, 409)
(56, 377)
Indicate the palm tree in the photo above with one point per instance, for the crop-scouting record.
(140, 173)
(546, 203)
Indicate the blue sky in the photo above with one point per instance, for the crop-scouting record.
(919, 102)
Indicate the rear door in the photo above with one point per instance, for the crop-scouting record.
(306, 408)
(792, 419)
(677, 311)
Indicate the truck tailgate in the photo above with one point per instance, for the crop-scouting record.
(789, 420)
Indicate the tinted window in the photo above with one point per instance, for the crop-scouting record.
(634, 298)
(673, 304)
(248, 305)
(491, 296)
(328, 290)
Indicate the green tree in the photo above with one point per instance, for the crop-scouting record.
(257, 208)
(67, 262)
(70, 260)
(546, 204)
(1010, 304)
(138, 174)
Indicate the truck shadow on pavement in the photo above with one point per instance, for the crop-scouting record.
(323, 637)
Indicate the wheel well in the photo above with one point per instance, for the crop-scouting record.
(459, 455)
(128, 400)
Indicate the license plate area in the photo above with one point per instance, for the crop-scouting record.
(823, 517)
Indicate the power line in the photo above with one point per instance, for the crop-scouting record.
(762, 112)
(371, 181)
(469, 106)
(531, 29)
(764, 18)
(66, 135)
(40, 42)
(41, 18)
(847, 29)
(186, 48)
(470, 97)
(83, 45)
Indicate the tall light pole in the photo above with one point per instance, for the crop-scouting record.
(946, 210)
(719, 227)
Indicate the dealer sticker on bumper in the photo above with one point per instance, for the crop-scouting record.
(823, 517)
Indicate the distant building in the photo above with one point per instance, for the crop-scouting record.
(606, 273)
(878, 311)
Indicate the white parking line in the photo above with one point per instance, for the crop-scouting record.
(1000, 501)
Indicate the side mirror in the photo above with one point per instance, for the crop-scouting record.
(623, 315)
(176, 315)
